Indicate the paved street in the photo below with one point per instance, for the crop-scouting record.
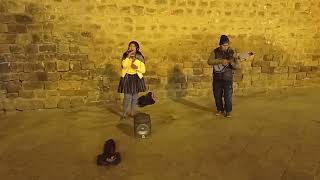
(272, 137)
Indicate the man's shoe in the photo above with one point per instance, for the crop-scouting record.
(218, 113)
(228, 115)
(123, 117)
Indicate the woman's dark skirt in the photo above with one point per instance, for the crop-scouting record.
(131, 84)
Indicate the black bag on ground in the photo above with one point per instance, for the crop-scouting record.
(109, 147)
(146, 100)
(109, 155)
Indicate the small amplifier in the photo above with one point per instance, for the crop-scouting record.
(142, 125)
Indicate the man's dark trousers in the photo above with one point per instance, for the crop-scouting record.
(223, 88)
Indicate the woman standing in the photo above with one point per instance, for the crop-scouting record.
(131, 82)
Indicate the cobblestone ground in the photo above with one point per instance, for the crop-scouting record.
(273, 137)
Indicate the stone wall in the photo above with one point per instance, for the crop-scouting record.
(66, 53)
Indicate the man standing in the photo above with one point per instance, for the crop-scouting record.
(224, 61)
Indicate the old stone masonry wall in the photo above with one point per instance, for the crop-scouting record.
(67, 53)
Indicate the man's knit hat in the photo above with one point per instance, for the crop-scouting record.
(223, 39)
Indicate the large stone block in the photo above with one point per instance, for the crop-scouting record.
(177, 12)
(197, 71)
(12, 95)
(256, 69)
(63, 66)
(195, 85)
(47, 57)
(34, 8)
(255, 77)
(17, 28)
(153, 80)
(287, 83)
(23, 19)
(9, 105)
(292, 76)
(75, 76)
(67, 92)
(268, 70)
(85, 65)
(51, 102)
(294, 69)
(32, 85)
(2, 87)
(305, 68)
(4, 68)
(3, 28)
(4, 48)
(34, 76)
(13, 86)
(52, 93)
(7, 39)
(15, 7)
(38, 66)
(52, 76)
(28, 94)
(259, 84)
(69, 85)
(27, 77)
(75, 66)
(7, 18)
(138, 10)
(315, 68)
(16, 67)
(246, 77)
(81, 92)
(244, 84)
(51, 85)
(274, 63)
(28, 104)
(301, 75)
(38, 104)
(77, 101)
(312, 75)
(161, 2)
(281, 69)
(31, 49)
(1, 107)
(182, 79)
(64, 103)
(90, 85)
(24, 39)
(28, 67)
(188, 64)
(39, 93)
(9, 77)
(35, 28)
(48, 48)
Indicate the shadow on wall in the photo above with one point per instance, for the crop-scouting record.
(109, 88)
(177, 89)
(177, 83)
(109, 83)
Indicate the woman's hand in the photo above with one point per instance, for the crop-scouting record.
(133, 66)
(130, 53)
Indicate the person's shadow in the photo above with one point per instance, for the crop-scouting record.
(177, 83)
(177, 89)
(125, 126)
(193, 105)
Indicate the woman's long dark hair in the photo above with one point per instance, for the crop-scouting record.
(125, 54)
